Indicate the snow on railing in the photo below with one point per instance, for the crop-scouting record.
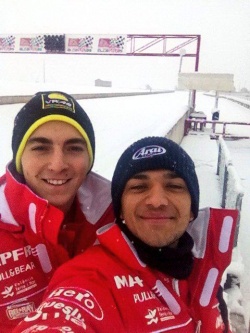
(229, 181)
(224, 159)
(232, 195)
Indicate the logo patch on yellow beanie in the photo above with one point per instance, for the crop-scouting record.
(56, 101)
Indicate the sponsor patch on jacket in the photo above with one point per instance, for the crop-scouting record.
(19, 310)
(74, 300)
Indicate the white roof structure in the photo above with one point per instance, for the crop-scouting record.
(206, 81)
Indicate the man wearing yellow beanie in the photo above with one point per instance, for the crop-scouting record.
(51, 202)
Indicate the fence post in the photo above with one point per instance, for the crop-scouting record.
(186, 126)
(219, 159)
(224, 189)
(238, 206)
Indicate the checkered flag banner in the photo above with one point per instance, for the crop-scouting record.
(118, 41)
(79, 43)
(86, 41)
(96, 44)
(112, 44)
(7, 43)
(31, 43)
(37, 41)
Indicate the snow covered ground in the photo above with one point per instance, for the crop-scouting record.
(205, 156)
(120, 121)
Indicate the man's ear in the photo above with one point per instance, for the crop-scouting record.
(191, 217)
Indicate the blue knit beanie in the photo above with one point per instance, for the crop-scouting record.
(152, 153)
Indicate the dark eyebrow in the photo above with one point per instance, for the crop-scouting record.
(142, 175)
(76, 140)
(44, 140)
(139, 176)
(39, 140)
(172, 175)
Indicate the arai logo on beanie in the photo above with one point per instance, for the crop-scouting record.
(57, 101)
(148, 151)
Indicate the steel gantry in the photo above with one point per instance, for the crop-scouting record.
(168, 46)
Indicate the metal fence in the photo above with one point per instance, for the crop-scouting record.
(230, 185)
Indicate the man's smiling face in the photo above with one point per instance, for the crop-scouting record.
(55, 162)
(156, 207)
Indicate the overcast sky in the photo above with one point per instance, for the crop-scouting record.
(223, 25)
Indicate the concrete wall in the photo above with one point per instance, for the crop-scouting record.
(26, 98)
(177, 132)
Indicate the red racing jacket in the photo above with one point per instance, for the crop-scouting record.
(108, 289)
(30, 250)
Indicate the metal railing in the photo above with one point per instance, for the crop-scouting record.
(230, 184)
(201, 124)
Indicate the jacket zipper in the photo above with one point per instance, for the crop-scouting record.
(198, 327)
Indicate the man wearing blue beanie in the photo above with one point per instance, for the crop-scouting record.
(158, 268)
